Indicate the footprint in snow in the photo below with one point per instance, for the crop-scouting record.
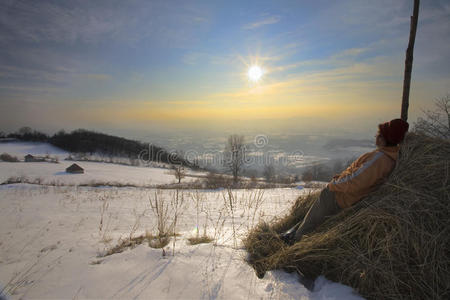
(49, 248)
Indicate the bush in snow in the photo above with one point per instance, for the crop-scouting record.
(8, 158)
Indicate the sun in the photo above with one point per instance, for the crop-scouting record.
(255, 73)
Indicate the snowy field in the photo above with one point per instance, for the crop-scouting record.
(20, 149)
(53, 239)
(94, 172)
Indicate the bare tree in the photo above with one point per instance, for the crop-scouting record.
(235, 155)
(269, 172)
(436, 122)
(25, 130)
(177, 204)
(160, 208)
(318, 172)
(179, 172)
(409, 61)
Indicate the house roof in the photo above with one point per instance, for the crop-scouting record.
(74, 167)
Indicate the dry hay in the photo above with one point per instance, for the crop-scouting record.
(392, 245)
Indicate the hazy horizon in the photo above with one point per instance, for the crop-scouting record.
(287, 153)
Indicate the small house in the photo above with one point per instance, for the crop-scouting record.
(76, 169)
(32, 158)
(29, 158)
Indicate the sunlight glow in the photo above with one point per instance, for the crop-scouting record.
(255, 73)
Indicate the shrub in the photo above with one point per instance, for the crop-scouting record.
(436, 123)
(200, 240)
(8, 158)
(214, 181)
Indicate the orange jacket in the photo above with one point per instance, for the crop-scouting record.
(363, 175)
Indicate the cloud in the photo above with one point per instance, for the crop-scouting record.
(93, 76)
(339, 74)
(38, 72)
(94, 22)
(267, 21)
(41, 21)
(432, 47)
(352, 52)
(343, 58)
(187, 102)
(193, 58)
(63, 44)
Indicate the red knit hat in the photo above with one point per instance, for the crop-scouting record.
(394, 131)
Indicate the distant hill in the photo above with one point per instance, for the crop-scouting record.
(86, 141)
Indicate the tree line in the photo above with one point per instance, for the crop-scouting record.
(91, 142)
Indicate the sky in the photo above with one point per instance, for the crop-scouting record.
(333, 67)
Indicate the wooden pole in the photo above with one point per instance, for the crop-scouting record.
(409, 61)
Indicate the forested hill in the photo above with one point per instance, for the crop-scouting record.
(86, 141)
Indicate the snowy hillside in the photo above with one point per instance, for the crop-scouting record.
(21, 149)
(94, 172)
(54, 240)
(51, 239)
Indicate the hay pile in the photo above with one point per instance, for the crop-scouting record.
(392, 245)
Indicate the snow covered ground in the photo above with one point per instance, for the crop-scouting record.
(53, 239)
(94, 172)
(21, 149)
(55, 173)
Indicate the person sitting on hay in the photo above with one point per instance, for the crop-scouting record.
(357, 181)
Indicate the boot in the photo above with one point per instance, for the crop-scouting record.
(259, 270)
(289, 235)
(308, 283)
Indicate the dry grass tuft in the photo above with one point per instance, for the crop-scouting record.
(158, 242)
(392, 245)
(200, 240)
(130, 243)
